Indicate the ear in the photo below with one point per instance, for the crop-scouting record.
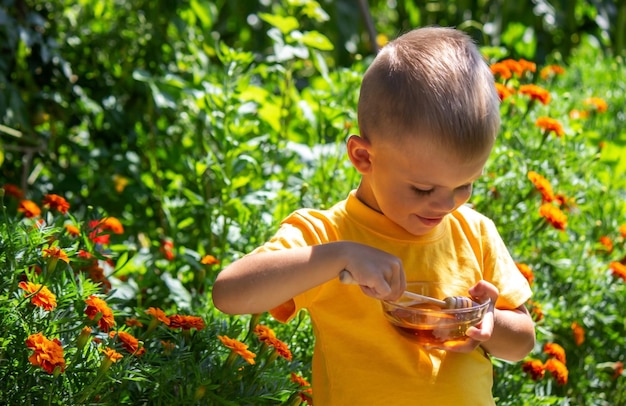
(359, 153)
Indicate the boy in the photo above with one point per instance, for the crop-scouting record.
(428, 117)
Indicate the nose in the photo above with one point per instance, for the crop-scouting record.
(444, 201)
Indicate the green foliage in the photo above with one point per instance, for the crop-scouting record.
(169, 364)
(572, 269)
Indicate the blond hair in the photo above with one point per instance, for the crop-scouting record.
(433, 82)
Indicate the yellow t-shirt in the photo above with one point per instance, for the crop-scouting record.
(359, 358)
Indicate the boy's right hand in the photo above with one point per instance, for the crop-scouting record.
(379, 274)
(260, 281)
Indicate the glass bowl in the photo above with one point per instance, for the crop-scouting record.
(430, 324)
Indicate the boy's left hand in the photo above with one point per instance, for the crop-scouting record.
(481, 332)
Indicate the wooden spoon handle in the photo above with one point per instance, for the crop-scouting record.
(428, 299)
(454, 302)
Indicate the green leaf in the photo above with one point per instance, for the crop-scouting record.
(202, 10)
(316, 40)
(142, 75)
(186, 223)
(284, 24)
(178, 292)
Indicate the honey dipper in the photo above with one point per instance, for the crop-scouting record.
(452, 302)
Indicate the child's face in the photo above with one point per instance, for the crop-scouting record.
(417, 184)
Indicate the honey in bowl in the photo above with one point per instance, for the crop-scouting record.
(432, 325)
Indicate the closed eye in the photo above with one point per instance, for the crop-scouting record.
(423, 192)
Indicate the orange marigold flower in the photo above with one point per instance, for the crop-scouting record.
(96, 273)
(167, 249)
(535, 311)
(558, 370)
(579, 333)
(555, 350)
(550, 71)
(534, 368)
(606, 241)
(130, 343)
(618, 269)
(618, 369)
(12, 190)
(133, 322)
(597, 103)
(84, 254)
(513, 66)
(550, 125)
(48, 353)
(501, 70)
(55, 252)
(112, 224)
(622, 230)
(41, 295)
(528, 65)
(168, 346)
(239, 348)
(96, 306)
(209, 260)
(99, 229)
(520, 67)
(158, 314)
(575, 114)
(264, 333)
(186, 322)
(306, 396)
(526, 271)
(536, 93)
(36, 269)
(72, 230)
(97, 233)
(111, 354)
(267, 336)
(299, 380)
(543, 185)
(281, 348)
(554, 216)
(56, 202)
(563, 201)
(120, 183)
(504, 91)
(29, 208)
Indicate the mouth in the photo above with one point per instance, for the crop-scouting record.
(430, 221)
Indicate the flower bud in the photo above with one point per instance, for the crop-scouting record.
(83, 337)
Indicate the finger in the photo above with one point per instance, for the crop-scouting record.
(397, 284)
(482, 331)
(381, 294)
(484, 290)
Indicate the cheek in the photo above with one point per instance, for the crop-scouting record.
(410, 203)
(399, 203)
(463, 196)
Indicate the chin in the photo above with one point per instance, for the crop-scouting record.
(418, 231)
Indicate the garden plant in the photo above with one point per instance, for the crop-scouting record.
(140, 153)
